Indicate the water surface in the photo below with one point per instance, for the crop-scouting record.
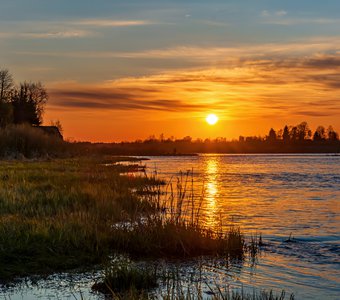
(275, 196)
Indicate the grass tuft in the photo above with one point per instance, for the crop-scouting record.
(121, 276)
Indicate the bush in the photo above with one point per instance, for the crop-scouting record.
(26, 141)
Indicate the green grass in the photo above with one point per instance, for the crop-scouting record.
(157, 237)
(60, 214)
(121, 277)
(177, 228)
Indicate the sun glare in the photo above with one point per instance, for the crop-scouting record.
(211, 119)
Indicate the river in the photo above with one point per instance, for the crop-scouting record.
(293, 201)
(277, 196)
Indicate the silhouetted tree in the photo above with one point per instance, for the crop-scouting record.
(279, 134)
(6, 114)
(6, 90)
(294, 134)
(303, 131)
(286, 134)
(319, 134)
(332, 135)
(28, 103)
(6, 85)
(187, 139)
(272, 135)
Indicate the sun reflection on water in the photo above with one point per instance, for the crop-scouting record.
(211, 192)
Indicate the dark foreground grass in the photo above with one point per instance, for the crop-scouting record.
(58, 215)
(70, 213)
(162, 237)
(121, 277)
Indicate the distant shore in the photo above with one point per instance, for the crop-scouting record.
(193, 148)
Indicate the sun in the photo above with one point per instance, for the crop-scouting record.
(211, 119)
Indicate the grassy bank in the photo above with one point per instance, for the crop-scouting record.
(58, 215)
(61, 214)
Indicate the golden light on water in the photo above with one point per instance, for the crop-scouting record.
(211, 191)
(212, 119)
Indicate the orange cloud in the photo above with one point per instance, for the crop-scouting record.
(253, 89)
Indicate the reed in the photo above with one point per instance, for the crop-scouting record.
(123, 279)
(56, 215)
(68, 213)
(121, 276)
(176, 228)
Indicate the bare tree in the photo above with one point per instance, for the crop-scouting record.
(29, 103)
(58, 124)
(6, 90)
(6, 85)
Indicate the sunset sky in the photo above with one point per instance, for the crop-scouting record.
(124, 70)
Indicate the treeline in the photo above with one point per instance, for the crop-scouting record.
(290, 139)
(300, 132)
(20, 104)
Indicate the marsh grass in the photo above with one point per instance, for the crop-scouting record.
(70, 213)
(58, 215)
(123, 279)
(157, 237)
(176, 228)
(122, 276)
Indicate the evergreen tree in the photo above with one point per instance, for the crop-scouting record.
(286, 134)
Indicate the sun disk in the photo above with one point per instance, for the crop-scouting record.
(211, 119)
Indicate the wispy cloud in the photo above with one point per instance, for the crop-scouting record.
(64, 29)
(237, 53)
(111, 23)
(279, 13)
(5, 35)
(55, 34)
(120, 99)
(66, 34)
(306, 86)
(280, 19)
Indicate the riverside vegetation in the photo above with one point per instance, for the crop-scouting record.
(62, 214)
(74, 213)
(70, 213)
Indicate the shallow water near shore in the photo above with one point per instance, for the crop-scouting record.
(275, 195)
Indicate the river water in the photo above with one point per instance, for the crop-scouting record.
(276, 196)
